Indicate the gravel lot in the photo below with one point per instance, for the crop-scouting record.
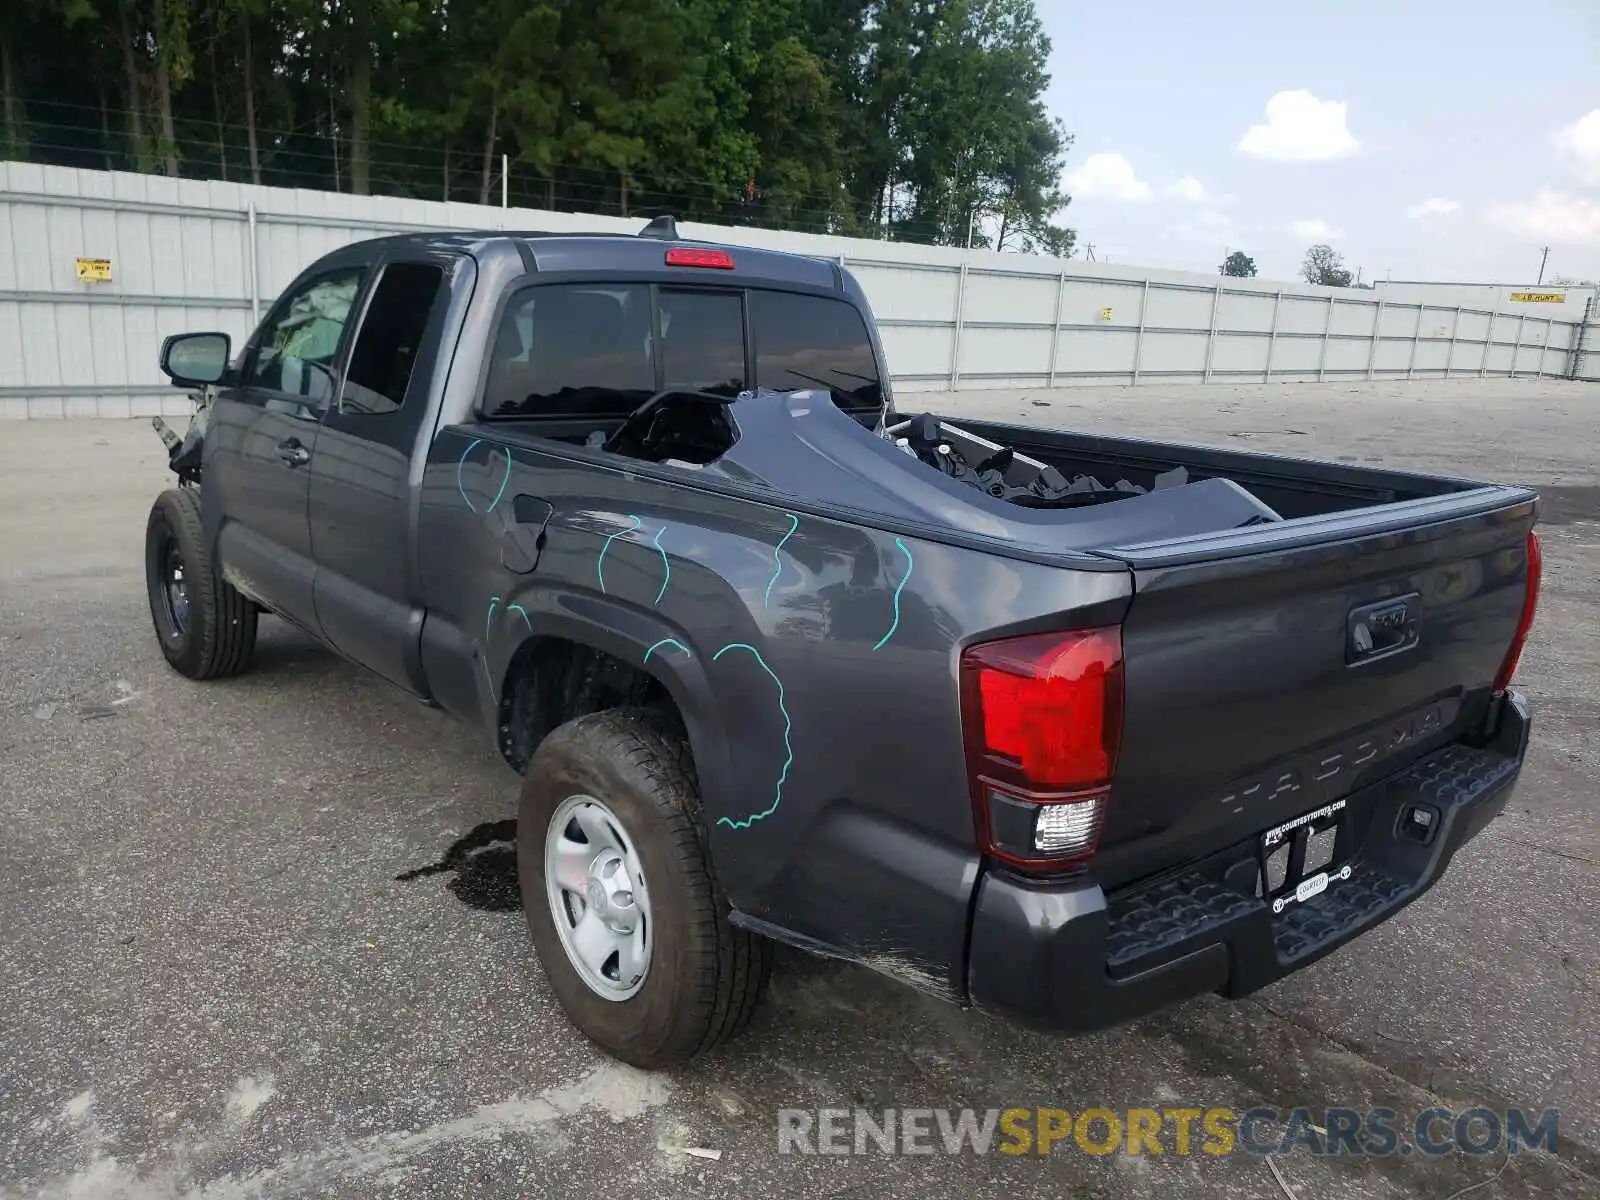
(213, 984)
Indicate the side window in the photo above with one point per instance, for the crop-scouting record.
(702, 340)
(300, 340)
(814, 342)
(572, 350)
(390, 335)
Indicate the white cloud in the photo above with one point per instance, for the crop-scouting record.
(1314, 228)
(1434, 206)
(1110, 176)
(1558, 216)
(1580, 143)
(1189, 189)
(1300, 128)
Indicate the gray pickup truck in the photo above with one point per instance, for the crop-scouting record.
(1063, 727)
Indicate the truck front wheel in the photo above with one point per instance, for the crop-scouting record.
(205, 627)
(625, 911)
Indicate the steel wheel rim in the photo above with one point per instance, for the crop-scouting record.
(174, 585)
(599, 903)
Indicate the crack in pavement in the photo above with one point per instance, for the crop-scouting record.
(1577, 858)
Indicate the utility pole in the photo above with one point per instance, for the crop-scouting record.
(1544, 255)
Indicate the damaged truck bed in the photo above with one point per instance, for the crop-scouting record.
(1026, 488)
(1065, 727)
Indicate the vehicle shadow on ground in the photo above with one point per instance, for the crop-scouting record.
(282, 649)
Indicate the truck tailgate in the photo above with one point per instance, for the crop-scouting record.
(1272, 669)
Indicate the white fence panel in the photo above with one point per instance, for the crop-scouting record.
(190, 254)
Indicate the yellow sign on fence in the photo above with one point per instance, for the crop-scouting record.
(1538, 297)
(94, 270)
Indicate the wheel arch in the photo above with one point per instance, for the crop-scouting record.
(578, 655)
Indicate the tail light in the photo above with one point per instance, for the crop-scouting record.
(1530, 605)
(1042, 717)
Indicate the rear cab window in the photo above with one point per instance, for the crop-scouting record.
(595, 352)
(702, 340)
(573, 352)
(804, 341)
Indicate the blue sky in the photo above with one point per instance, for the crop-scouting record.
(1422, 139)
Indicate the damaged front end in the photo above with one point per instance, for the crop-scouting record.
(184, 451)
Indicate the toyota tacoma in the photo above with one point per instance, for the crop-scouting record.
(1062, 727)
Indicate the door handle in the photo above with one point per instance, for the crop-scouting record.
(293, 453)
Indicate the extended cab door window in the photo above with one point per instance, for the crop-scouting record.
(385, 350)
(297, 348)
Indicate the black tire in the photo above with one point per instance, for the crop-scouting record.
(705, 975)
(211, 631)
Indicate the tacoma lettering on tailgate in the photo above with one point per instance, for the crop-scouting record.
(1322, 774)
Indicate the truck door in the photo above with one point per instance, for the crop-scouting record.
(262, 435)
(369, 461)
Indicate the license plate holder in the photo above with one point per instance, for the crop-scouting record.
(1301, 858)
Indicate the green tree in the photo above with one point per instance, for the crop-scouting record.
(172, 66)
(978, 141)
(904, 118)
(882, 88)
(797, 149)
(21, 22)
(157, 62)
(1239, 265)
(1030, 196)
(1324, 265)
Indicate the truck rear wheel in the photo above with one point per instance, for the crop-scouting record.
(205, 627)
(625, 911)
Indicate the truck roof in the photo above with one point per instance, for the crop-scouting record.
(641, 252)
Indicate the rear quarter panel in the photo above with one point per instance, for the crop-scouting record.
(814, 662)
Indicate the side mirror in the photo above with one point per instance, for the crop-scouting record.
(195, 359)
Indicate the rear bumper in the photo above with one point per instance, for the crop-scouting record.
(1072, 959)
